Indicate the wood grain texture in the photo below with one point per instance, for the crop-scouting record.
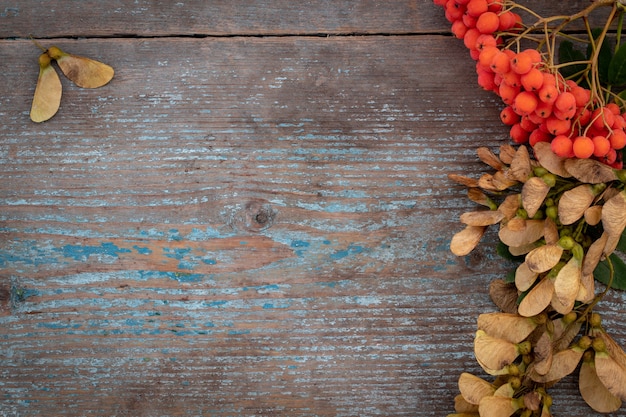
(246, 225)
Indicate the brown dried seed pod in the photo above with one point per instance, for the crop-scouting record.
(594, 254)
(502, 182)
(507, 153)
(611, 374)
(463, 180)
(614, 220)
(503, 295)
(510, 327)
(524, 277)
(520, 168)
(473, 389)
(548, 160)
(587, 289)
(566, 286)
(493, 353)
(574, 202)
(478, 197)
(464, 408)
(519, 232)
(481, 218)
(564, 332)
(595, 394)
(534, 192)
(510, 205)
(486, 183)
(563, 364)
(550, 231)
(466, 240)
(498, 407)
(614, 350)
(489, 158)
(523, 250)
(543, 258)
(542, 353)
(537, 299)
(593, 215)
(589, 170)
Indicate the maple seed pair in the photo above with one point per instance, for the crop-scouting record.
(84, 72)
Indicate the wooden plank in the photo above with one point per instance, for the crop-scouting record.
(246, 225)
(94, 18)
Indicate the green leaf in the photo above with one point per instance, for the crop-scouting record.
(621, 245)
(567, 53)
(604, 56)
(602, 272)
(617, 67)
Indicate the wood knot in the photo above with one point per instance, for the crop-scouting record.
(255, 216)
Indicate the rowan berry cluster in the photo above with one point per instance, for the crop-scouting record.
(541, 104)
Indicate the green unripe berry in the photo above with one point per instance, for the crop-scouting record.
(595, 320)
(549, 179)
(552, 212)
(567, 242)
(540, 171)
(598, 345)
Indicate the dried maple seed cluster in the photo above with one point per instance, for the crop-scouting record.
(542, 106)
(563, 216)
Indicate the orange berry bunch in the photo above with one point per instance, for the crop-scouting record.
(541, 105)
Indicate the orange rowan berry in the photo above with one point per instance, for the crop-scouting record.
(548, 91)
(602, 117)
(459, 29)
(617, 139)
(619, 122)
(556, 126)
(584, 116)
(508, 93)
(565, 101)
(486, 80)
(525, 103)
(486, 56)
(532, 80)
(582, 95)
(527, 124)
(507, 21)
(511, 78)
(470, 38)
(543, 110)
(601, 146)
(610, 157)
(509, 117)
(501, 63)
(484, 41)
(463, 2)
(495, 5)
(583, 147)
(454, 11)
(533, 117)
(613, 108)
(537, 136)
(488, 22)
(469, 21)
(562, 146)
(518, 134)
(477, 7)
(564, 115)
(521, 63)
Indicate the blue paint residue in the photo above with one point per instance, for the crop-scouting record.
(236, 332)
(142, 250)
(184, 277)
(351, 250)
(209, 261)
(82, 253)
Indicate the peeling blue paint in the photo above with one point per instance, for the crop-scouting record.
(351, 250)
(142, 250)
(82, 253)
(184, 277)
(209, 261)
(236, 332)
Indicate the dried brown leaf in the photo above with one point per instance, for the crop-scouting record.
(574, 202)
(590, 170)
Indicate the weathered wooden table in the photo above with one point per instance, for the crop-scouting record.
(251, 219)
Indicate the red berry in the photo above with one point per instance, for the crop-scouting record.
(583, 147)
(562, 146)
